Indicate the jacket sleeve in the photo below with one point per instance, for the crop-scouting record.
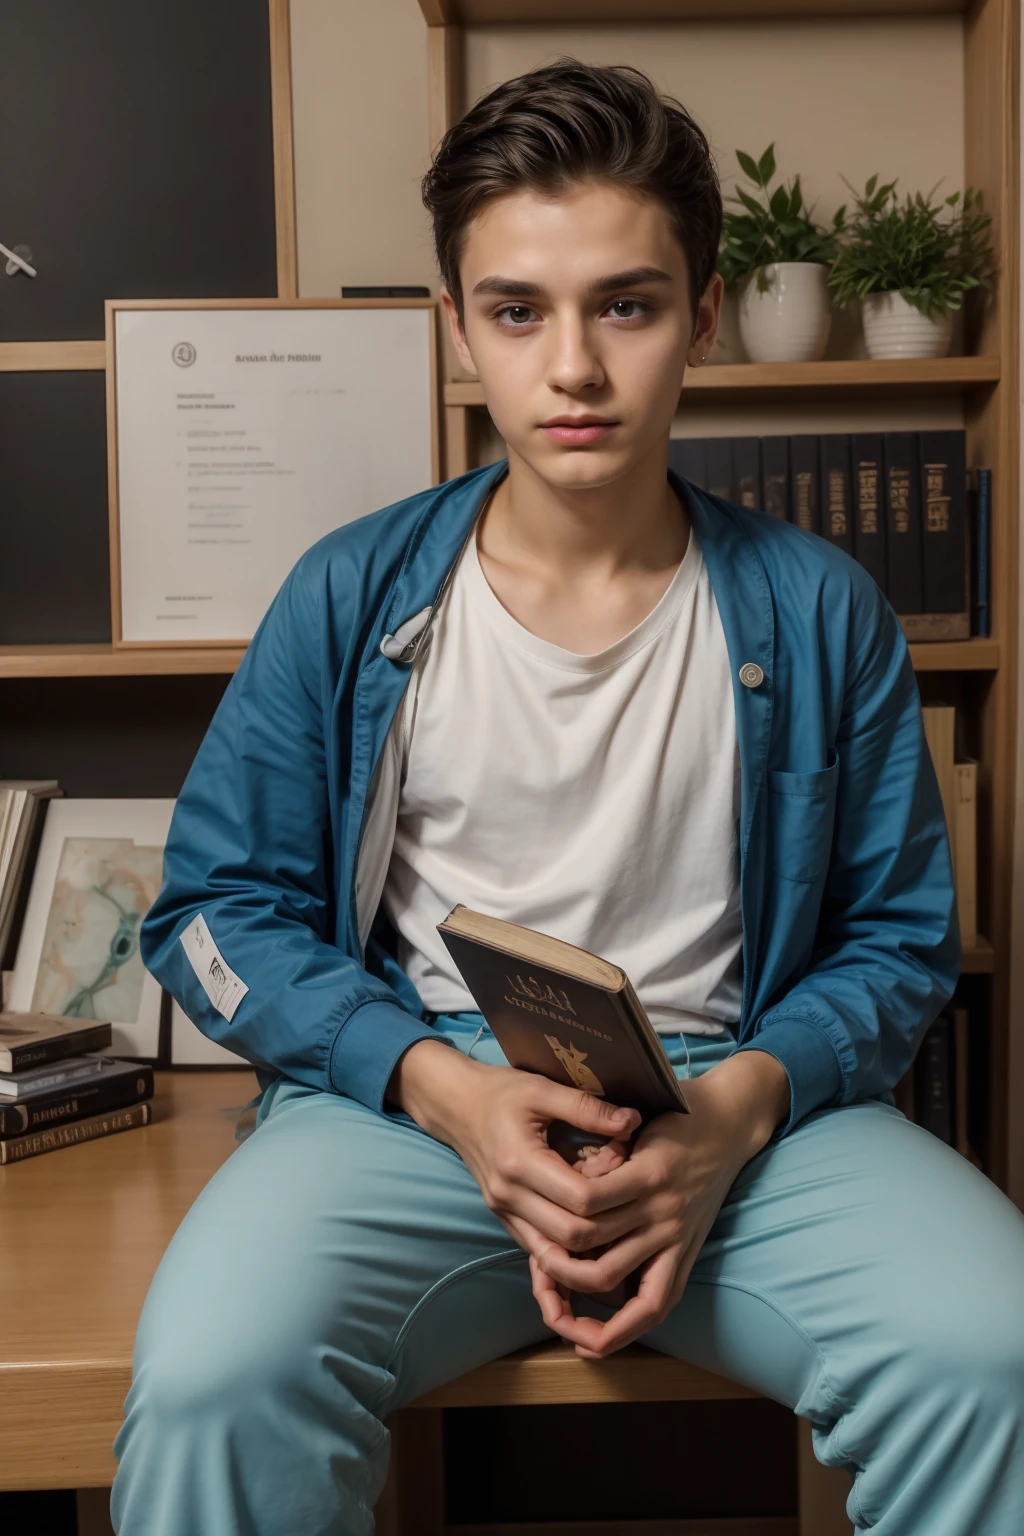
(887, 951)
(249, 877)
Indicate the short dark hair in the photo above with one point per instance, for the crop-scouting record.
(564, 124)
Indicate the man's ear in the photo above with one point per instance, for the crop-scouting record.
(458, 337)
(706, 325)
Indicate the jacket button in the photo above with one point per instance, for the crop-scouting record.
(751, 675)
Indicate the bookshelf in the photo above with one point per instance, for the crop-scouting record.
(982, 385)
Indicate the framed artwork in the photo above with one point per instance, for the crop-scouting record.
(97, 873)
(241, 431)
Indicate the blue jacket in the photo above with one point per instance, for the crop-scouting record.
(283, 829)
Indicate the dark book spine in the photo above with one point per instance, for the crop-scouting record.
(868, 511)
(933, 1081)
(686, 455)
(903, 523)
(37, 1053)
(21, 1147)
(775, 476)
(805, 483)
(746, 471)
(718, 460)
(982, 552)
(64, 1105)
(944, 520)
(836, 491)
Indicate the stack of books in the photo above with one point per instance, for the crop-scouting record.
(57, 1088)
(935, 1092)
(21, 806)
(895, 501)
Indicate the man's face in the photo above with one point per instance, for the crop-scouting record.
(579, 305)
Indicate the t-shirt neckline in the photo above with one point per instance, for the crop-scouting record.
(650, 626)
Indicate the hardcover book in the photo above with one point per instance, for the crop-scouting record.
(775, 476)
(805, 486)
(944, 521)
(19, 1147)
(718, 466)
(903, 523)
(32, 1039)
(687, 457)
(746, 471)
(111, 1085)
(562, 1012)
(868, 514)
(836, 491)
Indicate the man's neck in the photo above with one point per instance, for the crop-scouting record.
(634, 526)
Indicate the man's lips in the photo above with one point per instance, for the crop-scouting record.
(588, 432)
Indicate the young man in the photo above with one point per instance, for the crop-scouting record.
(571, 690)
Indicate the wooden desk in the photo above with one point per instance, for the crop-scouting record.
(81, 1233)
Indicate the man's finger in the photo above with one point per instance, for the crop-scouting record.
(593, 1275)
(557, 1102)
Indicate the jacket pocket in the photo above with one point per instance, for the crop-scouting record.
(803, 809)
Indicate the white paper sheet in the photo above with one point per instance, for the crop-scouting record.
(243, 437)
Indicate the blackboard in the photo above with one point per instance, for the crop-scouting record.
(54, 565)
(137, 157)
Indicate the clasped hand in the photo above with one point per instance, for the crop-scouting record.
(650, 1210)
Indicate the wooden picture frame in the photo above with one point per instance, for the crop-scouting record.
(115, 307)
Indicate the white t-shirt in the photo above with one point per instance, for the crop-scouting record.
(592, 797)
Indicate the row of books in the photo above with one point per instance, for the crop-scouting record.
(896, 501)
(935, 1091)
(58, 1088)
(958, 784)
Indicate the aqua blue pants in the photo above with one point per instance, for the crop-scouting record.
(342, 1262)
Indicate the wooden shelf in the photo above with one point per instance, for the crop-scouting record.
(105, 661)
(490, 12)
(979, 959)
(51, 356)
(955, 656)
(850, 378)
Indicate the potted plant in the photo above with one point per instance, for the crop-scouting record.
(778, 258)
(910, 264)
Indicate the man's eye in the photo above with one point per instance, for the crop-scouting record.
(637, 304)
(518, 311)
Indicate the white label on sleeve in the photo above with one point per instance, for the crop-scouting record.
(224, 989)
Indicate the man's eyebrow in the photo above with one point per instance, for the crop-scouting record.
(514, 287)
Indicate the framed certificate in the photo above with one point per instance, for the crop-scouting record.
(242, 431)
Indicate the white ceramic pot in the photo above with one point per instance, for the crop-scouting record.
(789, 322)
(894, 328)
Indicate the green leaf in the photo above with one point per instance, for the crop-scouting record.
(870, 184)
(748, 165)
(766, 165)
(780, 204)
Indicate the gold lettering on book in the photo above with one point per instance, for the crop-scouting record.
(559, 1018)
(899, 498)
(867, 496)
(936, 498)
(541, 992)
(572, 1059)
(837, 503)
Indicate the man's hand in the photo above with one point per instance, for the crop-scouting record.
(669, 1191)
(496, 1118)
(654, 1209)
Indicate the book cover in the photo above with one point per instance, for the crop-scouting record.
(943, 460)
(555, 1013)
(836, 491)
(32, 1039)
(933, 1081)
(15, 1084)
(965, 848)
(868, 515)
(805, 482)
(718, 466)
(111, 1086)
(775, 476)
(746, 471)
(18, 1148)
(905, 589)
(982, 551)
(688, 458)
